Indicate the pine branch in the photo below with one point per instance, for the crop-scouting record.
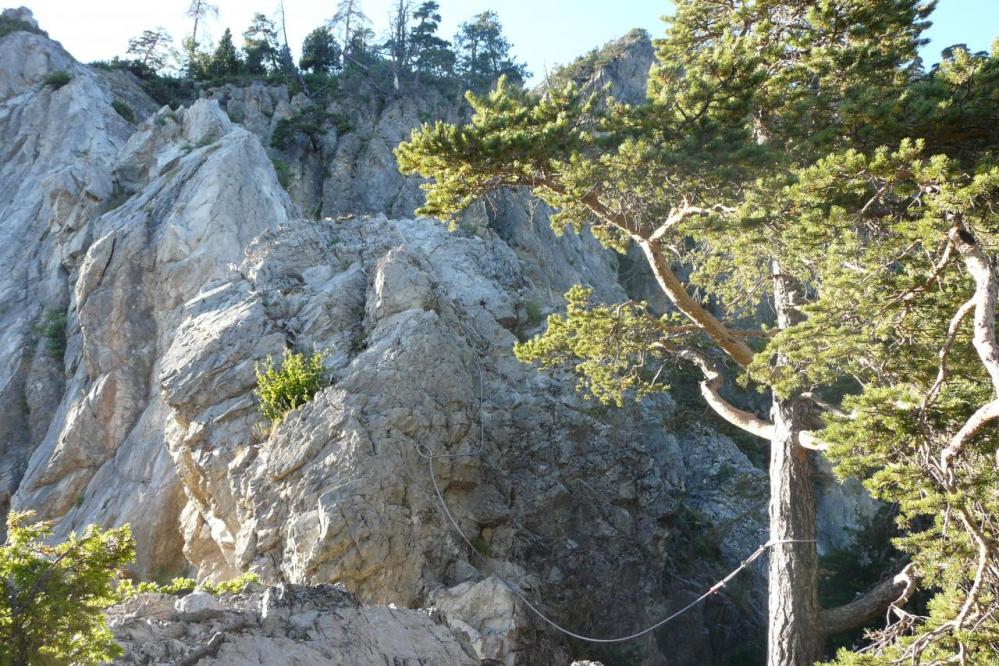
(891, 593)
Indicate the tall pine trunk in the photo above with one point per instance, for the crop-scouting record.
(794, 637)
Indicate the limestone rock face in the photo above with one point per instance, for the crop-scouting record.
(416, 324)
(101, 455)
(57, 147)
(198, 605)
(621, 66)
(488, 615)
(285, 624)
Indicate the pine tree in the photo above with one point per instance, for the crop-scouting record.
(286, 63)
(52, 596)
(352, 25)
(260, 44)
(483, 53)
(198, 10)
(902, 241)
(320, 52)
(745, 98)
(397, 46)
(225, 61)
(431, 56)
(153, 48)
(362, 54)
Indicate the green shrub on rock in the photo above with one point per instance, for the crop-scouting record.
(294, 383)
(52, 328)
(234, 586)
(57, 79)
(183, 586)
(124, 110)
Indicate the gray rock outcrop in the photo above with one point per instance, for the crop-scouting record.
(285, 624)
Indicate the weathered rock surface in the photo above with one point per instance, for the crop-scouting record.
(285, 624)
(620, 66)
(57, 146)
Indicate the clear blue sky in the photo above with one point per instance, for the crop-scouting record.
(544, 33)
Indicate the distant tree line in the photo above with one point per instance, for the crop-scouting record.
(410, 50)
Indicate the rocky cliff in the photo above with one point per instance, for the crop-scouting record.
(149, 265)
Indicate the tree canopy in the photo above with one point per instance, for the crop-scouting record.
(225, 61)
(429, 54)
(483, 53)
(260, 44)
(52, 597)
(153, 48)
(320, 52)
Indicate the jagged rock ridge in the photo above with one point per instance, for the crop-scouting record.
(285, 624)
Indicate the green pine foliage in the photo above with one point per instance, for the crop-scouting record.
(430, 55)
(483, 53)
(320, 52)
(342, 55)
(311, 123)
(152, 49)
(52, 596)
(52, 329)
(260, 45)
(615, 350)
(225, 61)
(281, 389)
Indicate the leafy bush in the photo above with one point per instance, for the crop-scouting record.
(283, 389)
(57, 79)
(51, 597)
(52, 328)
(124, 110)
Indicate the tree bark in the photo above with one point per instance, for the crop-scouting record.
(890, 592)
(794, 637)
(676, 291)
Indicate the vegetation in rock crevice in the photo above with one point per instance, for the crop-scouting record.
(57, 79)
(283, 388)
(52, 329)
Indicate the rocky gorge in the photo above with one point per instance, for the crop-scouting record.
(150, 264)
